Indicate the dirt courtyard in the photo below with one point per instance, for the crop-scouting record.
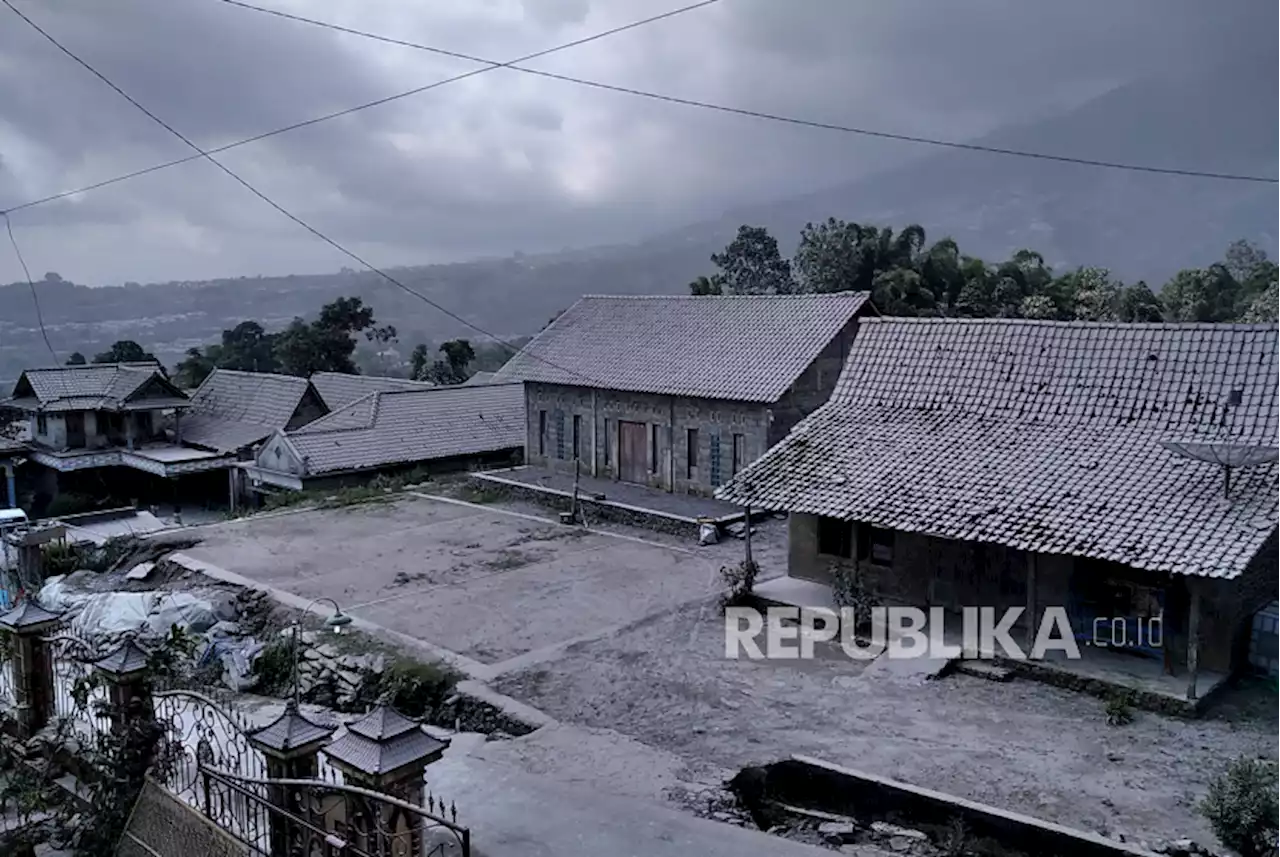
(614, 634)
(485, 583)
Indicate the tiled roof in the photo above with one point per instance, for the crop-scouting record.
(383, 741)
(94, 386)
(125, 659)
(232, 409)
(481, 378)
(291, 730)
(743, 347)
(410, 426)
(27, 614)
(1050, 437)
(339, 390)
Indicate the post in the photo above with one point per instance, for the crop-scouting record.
(595, 432)
(1031, 601)
(747, 533)
(232, 489)
(126, 673)
(11, 484)
(27, 625)
(177, 427)
(290, 745)
(1193, 638)
(671, 445)
(574, 509)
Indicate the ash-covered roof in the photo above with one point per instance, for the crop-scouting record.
(339, 390)
(233, 409)
(747, 348)
(404, 427)
(1054, 437)
(95, 387)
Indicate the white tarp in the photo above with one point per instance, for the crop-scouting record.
(119, 612)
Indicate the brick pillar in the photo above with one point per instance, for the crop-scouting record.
(26, 626)
(388, 752)
(290, 745)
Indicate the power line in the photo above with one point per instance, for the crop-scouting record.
(268, 200)
(756, 114)
(490, 66)
(35, 298)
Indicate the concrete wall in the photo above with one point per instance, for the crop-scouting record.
(599, 412)
(277, 454)
(99, 432)
(812, 389)
(928, 571)
(55, 434)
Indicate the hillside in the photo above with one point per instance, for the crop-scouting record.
(1140, 225)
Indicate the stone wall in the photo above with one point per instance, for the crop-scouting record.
(812, 389)
(163, 826)
(599, 412)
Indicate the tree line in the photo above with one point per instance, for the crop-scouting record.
(907, 276)
(326, 344)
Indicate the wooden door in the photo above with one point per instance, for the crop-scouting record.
(633, 451)
(75, 429)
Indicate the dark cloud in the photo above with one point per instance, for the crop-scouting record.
(507, 161)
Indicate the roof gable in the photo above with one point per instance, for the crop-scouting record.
(1047, 437)
(94, 386)
(232, 409)
(338, 389)
(738, 347)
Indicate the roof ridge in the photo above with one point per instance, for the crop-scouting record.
(798, 296)
(1073, 323)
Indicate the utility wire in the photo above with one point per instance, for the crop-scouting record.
(269, 201)
(490, 66)
(705, 105)
(35, 298)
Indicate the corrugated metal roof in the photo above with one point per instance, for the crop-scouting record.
(1043, 436)
(415, 425)
(339, 390)
(740, 347)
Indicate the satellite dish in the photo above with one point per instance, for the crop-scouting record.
(1224, 454)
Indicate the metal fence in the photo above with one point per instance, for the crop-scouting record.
(78, 700)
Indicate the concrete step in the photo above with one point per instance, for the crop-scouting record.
(984, 669)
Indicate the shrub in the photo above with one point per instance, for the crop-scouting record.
(850, 591)
(274, 666)
(416, 689)
(1241, 807)
(69, 504)
(740, 580)
(1119, 709)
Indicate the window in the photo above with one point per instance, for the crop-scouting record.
(577, 436)
(691, 453)
(42, 424)
(875, 544)
(835, 537)
(608, 445)
(559, 434)
(542, 432)
(715, 459)
(653, 448)
(739, 444)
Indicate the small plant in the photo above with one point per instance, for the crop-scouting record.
(274, 666)
(61, 558)
(1119, 709)
(955, 839)
(1241, 807)
(740, 581)
(417, 689)
(851, 591)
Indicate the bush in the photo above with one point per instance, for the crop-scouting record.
(1241, 807)
(1119, 709)
(416, 689)
(851, 591)
(274, 666)
(740, 580)
(69, 504)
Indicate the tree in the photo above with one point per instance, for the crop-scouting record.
(1241, 807)
(827, 260)
(124, 351)
(1264, 306)
(248, 348)
(752, 265)
(1138, 303)
(458, 354)
(76, 359)
(194, 368)
(713, 285)
(327, 344)
(418, 362)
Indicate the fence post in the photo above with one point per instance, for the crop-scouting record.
(388, 752)
(289, 744)
(27, 624)
(126, 672)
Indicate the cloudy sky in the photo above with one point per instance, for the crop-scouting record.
(506, 161)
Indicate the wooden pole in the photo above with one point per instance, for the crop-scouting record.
(576, 514)
(747, 533)
(595, 419)
(1193, 639)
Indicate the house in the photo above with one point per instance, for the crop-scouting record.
(679, 392)
(84, 418)
(439, 428)
(338, 389)
(233, 411)
(1125, 472)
